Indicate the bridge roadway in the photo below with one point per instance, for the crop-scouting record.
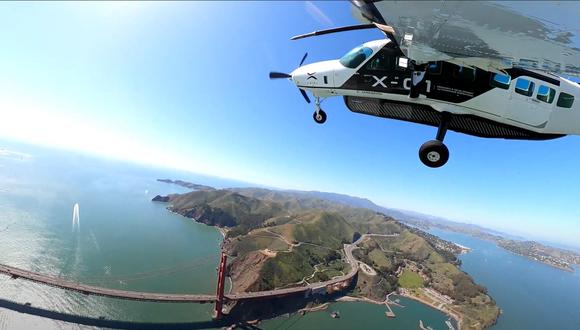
(184, 298)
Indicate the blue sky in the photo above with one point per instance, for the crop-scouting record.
(184, 85)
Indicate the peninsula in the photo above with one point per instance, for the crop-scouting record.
(284, 239)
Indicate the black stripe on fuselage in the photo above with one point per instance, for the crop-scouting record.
(444, 81)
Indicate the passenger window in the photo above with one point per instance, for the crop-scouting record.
(501, 80)
(464, 74)
(434, 68)
(565, 100)
(546, 94)
(524, 87)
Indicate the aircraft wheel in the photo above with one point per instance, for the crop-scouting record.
(319, 117)
(434, 153)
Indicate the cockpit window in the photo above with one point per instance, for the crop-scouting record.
(356, 56)
(382, 61)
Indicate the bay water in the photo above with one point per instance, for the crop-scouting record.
(123, 240)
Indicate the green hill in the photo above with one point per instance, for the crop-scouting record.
(224, 208)
(283, 238)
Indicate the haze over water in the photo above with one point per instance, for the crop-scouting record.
(131, 243)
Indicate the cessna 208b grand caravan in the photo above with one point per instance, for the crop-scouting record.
(439, 66)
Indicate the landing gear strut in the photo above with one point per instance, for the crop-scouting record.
(319, 114)
(434, 153)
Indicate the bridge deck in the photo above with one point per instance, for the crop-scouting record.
(158, 297)
(178, 298)
(105, 292)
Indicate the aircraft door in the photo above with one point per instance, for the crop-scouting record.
(383, 73)
(525, 106)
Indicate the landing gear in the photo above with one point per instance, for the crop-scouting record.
(434, 153)
(319, 114)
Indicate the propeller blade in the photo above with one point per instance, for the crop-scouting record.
(303, 92)
(279, 75)
(303, 58)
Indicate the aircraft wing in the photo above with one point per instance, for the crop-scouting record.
(492, 35)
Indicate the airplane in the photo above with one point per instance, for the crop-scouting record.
(473, 87)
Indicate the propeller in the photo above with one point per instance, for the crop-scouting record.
(279, 75)
(303, 59)
(282, 75)
(303, 92)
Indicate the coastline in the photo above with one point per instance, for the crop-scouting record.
(222, 230)
(360, 299)
(463, 247)
(457, 317)
(569, 269)
(451, 313)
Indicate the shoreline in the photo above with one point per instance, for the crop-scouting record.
(463, 247)
(570, 269)
(360, 299)
(458, 318)
(222, 230)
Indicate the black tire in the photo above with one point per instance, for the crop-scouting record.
(434, 153)
(320, 117)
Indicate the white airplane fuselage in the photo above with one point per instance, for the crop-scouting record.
(545, 105)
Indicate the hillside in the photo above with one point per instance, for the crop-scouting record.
(295, 199)
(279, 239)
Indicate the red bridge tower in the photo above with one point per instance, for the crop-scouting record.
(217, 314)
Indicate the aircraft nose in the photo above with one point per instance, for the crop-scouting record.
(298, 76)
(315, 75)
(306, 76)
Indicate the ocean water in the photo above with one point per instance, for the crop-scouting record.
(360, 315)
(121, 239)
(531, 294)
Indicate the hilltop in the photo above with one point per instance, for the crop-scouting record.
(279, 239)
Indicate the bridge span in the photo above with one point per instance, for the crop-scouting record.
(333, 285)
(105, 292)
